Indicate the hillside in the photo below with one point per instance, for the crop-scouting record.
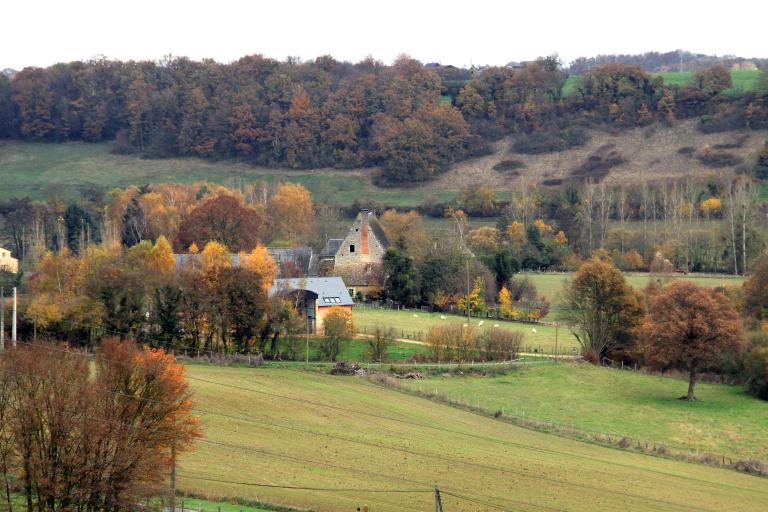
(651, 154)
(309, 430)
(622, 403)
(40, 170)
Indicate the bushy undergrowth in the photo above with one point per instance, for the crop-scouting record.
(536, 143)
(599, 164)
(508, 165)
(464, 343)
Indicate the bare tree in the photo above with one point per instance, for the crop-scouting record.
(605, 200)
(586, 213)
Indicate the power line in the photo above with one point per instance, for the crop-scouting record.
(303, 488)
(433, 427)
(268, 453)
(438, 457)
(281, 456)
(475, 500)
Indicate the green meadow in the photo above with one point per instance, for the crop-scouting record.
(270, 431)
(725, 420)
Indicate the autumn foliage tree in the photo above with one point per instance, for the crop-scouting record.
(338, 326)
(223, 218)
(291, 213)
(95, 438)
(690, 327)
(603, 309)
(756, 290)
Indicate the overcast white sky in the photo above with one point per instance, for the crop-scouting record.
(40, 33)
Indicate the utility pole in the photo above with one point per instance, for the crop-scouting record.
(2, 319)
(469, 305)
(13, 320)
(438, 501)
(173, 477)
(306, 356)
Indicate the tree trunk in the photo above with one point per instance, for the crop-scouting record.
(691, 385)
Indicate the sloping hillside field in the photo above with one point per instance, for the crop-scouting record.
(355, 443)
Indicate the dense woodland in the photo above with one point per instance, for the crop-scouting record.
(338, 114)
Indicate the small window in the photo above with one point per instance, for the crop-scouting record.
(338, 300)
(352, 248)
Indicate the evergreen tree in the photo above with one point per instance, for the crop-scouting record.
(400, 283)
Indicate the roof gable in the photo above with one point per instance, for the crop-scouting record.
(330, 291)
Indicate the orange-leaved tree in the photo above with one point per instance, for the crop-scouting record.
(223, 218)
(690, 327)
(100, 438)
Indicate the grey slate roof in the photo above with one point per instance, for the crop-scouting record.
(303, 258)
(300, 257)
(328, 289)
(331, 247)
(378, 231)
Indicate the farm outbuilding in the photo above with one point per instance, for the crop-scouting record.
(8, 262)
(314, 297)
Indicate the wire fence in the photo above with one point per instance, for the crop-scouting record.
(517, 416)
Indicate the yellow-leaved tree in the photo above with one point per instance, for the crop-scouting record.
(474, 302)
(337, 328)
(506, 309)
(161, 257)
(260, 263)
(293, 213)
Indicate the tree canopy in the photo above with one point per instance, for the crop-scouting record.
(690, 327)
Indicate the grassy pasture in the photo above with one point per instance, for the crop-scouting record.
(742, 80)
(356, 350)
(39, 170)
(406, 325)
(725, 420)
(198, 505)
(551, 284)
(343, 432)
(763, 192)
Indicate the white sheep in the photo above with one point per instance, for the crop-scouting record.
(533, 330)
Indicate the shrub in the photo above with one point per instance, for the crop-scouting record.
(462, 342)
(597, 165)
(499, 344)
(753, 466)
(508, 165)
(756, 365)
(379, 342)
(729, 118)
(737, 143)
(761, 167)
(718, 160)
(537, 143)
(631, 260)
